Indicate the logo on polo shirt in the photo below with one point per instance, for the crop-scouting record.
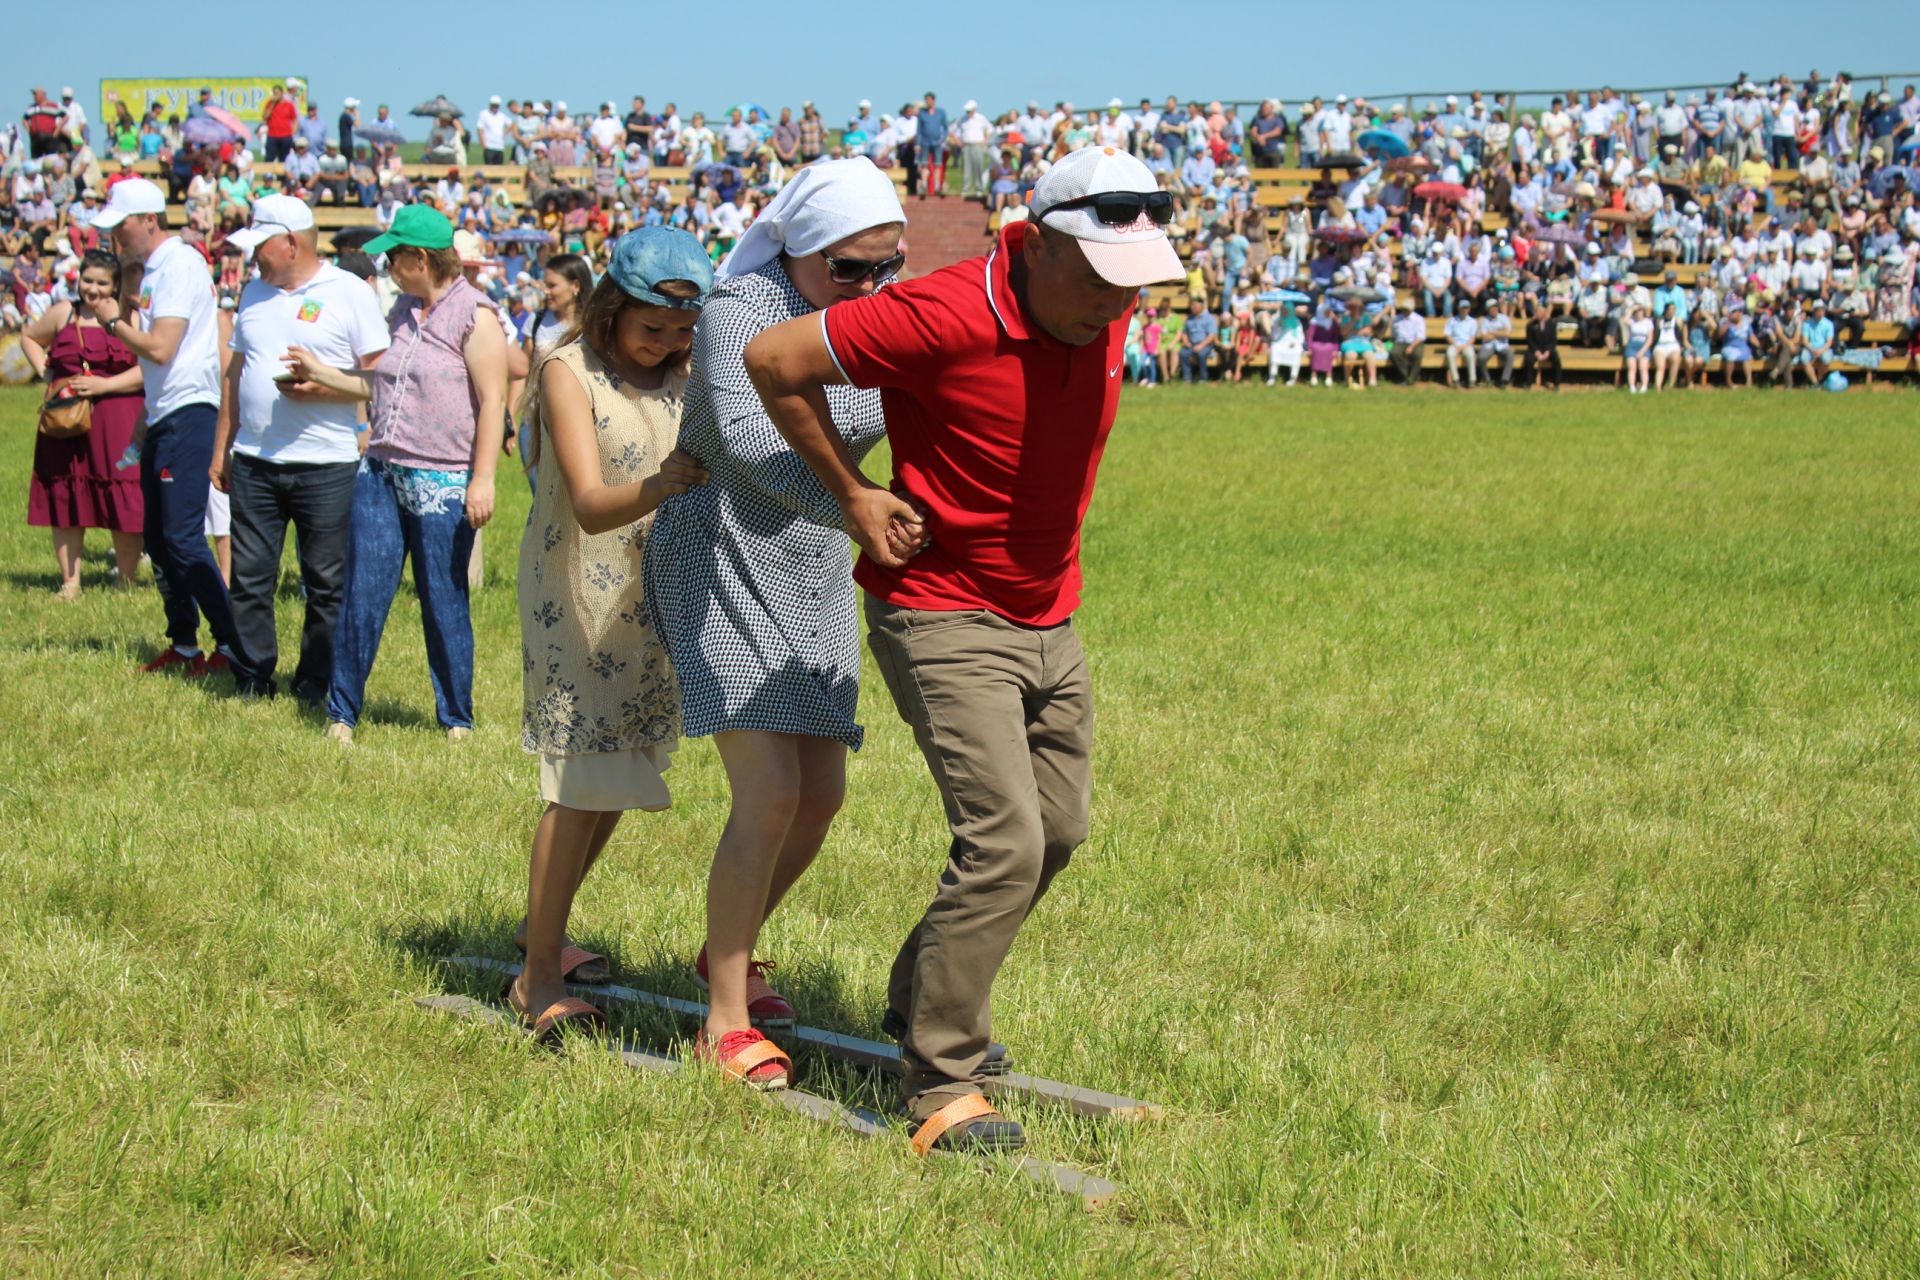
(146, 297)
(310, 310)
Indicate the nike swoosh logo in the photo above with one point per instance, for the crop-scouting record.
(1115, 371)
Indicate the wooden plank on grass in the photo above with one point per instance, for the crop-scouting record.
(1092, 1190)
(871, 1054)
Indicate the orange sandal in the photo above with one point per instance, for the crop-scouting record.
(558, 1017)
(968, 1123)
(746, 1056)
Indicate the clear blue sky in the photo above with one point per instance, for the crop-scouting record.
(1001, 54)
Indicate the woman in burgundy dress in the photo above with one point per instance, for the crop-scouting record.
(75, 485)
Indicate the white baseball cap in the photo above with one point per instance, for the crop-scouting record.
(272, 216)
(494, 101)
(135, 195)
(67, 92)
(293, 82)
(351, 102)
(970, 105)
(1131, 256)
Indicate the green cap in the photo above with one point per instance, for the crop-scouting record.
(419, 226)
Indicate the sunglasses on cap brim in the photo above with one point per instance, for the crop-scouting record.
(856, 270)
(1123, 208)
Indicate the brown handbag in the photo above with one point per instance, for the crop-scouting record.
(64, 414)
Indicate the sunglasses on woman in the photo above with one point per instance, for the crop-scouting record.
(1123, 208)
(856, 270)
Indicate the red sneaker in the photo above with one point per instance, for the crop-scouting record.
(171, 659)
(746, 1056)
(765, 1006)
(217, 663)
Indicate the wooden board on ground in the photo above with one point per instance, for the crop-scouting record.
(1092, 1190)
(871, 1054)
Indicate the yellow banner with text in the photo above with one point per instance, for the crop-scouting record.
(245, 96)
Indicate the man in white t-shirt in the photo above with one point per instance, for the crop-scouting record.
(975, 133)
(175, 333)
(492, 126)
(608, 131)
(288, 451)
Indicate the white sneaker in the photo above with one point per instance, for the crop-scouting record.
(459, 733)
(341, 732)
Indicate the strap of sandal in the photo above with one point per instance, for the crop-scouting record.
(573, 958)
(743, 1062)
(962, 1109)
(564, 1010)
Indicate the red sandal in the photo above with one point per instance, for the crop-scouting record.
(765, 1006)
(746, 1056)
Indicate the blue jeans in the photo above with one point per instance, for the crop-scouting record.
(174, 484)
(402, 513)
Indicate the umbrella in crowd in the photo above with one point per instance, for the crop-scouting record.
(440, 105)
(1882, 180)
(205, 131)
(1614, 216)
(746, 110)
(522, 235)
(1340, 235)
(380, 135)
(1680, 192)
(1282, 296)
(1359, 293)
(227, 118)
(1559, 233)
(353, 237)
(1409, 164)
(1383, 143)
(1445, 192)
(1344, 160)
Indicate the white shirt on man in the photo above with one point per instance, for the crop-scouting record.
(608, 133)
(492, 125)
(178, 286)
(335, 316)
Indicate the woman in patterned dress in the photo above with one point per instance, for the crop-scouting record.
(749, 579)
(601, 707)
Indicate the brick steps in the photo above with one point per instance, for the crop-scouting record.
(943, 230)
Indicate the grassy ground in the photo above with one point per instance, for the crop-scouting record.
(1504, 862)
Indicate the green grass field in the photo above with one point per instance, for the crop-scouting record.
(1504, 862)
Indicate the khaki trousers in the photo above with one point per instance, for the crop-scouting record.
(1004, 717)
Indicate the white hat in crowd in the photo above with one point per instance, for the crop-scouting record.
(273, 215)
(293, 82)
(1130, 256)
(67, 92)
(494, 101)
(135, 195)
(351, 102)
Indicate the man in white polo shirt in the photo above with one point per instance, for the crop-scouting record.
(492, 125)
(288, 451)
(175, 333)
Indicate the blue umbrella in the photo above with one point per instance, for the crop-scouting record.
(1882, 180)
(523, 235)
(205, 131)
(1383, 142)
(1281, 296)
(381, 135)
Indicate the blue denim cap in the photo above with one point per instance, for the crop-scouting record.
(651, 256)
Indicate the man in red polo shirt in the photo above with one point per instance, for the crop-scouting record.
(999, 378)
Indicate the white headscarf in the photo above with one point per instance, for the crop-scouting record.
(821, 205)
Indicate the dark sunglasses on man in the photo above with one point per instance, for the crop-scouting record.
(1123, 208)
(856, 270)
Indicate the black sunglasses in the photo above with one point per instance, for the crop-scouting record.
(854, 270)
(1123, 208)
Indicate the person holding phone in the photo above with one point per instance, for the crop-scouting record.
(287, 448)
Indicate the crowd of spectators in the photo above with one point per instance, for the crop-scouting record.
(1656, 229)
